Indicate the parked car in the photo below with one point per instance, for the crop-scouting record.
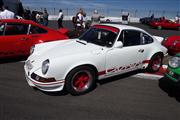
(17, 36)
(103, 51)
(148, 20)
(111, 20)
(172, 43)
(168, 24)
(173, 70)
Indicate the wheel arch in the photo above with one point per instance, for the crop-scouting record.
(149, 58)
(162, 55)
(88, 65)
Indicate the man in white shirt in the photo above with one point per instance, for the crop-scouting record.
(60, 19)
(79, 19)
(80, 22)
(6, 14)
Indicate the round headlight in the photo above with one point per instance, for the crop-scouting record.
(174, 62)
(32, 49)
(45, 66)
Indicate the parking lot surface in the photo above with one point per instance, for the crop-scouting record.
(119, 98)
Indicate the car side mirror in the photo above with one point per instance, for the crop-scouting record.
(118, 44)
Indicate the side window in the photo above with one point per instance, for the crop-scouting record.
(146, 39)
(2, 26)
(130, 38)
(37, 30)
(121, 37)
(16, 29)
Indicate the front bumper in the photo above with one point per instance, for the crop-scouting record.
(174, 50)
(172, 75)
(43, 84)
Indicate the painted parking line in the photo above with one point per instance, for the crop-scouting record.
(153, 76)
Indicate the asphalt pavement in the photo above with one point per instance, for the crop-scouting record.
(122, 97)
(163, 33)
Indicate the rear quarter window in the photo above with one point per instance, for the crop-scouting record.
(37, 30)
(16, 29)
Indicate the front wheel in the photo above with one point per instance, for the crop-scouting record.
(159, 27)
(179, 28)
(155, 63)
(80, 80)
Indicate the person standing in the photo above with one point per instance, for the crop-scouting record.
(177, 20)
(27, 14)
(6, 14)
(60, 19)
(96, 18)
(45, 17)
(79, 21)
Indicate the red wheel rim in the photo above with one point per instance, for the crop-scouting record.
(156, 63)
(81, 81)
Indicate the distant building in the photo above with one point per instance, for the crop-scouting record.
(13, 5)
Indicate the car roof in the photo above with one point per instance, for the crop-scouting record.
(23, 21)
(122, 27)
(17, 21)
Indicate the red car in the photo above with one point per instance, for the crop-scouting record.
(172, 43)
(17, 36)
(168, 24)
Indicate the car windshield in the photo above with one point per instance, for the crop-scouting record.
(100, 36)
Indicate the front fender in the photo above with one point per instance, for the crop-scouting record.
(61, 67)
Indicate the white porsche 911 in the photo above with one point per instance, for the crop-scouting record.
(103, 51)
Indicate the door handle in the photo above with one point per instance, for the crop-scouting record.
(141, 50)
(35, 36)
(24, 38)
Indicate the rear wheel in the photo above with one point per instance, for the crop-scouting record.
(155, 63)
(80, 80)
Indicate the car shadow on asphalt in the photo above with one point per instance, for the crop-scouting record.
(172, 89)
(101, 82)
(119, 77)
(59, 93)
(11, 60)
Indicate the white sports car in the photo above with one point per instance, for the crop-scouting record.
(103, 51)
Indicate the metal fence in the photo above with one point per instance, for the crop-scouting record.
(112, 12)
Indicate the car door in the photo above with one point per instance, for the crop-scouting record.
(127, 58)
(13, 39)
(16, 35)
(37, 35)
(3, 42)
(34, 36)
(169, 24)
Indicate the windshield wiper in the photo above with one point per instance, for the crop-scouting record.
(82, 41)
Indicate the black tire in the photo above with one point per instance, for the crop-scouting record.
(80, 80)
(107, 20)
(179, 28)
(155, 63)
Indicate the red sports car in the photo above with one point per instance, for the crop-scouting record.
(172, 43)
(17, 36)
(168, 24)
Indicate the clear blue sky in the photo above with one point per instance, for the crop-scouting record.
(172, 5)
(161, 5)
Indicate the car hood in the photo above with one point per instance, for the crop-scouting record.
(173, 40)
(66, 48)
